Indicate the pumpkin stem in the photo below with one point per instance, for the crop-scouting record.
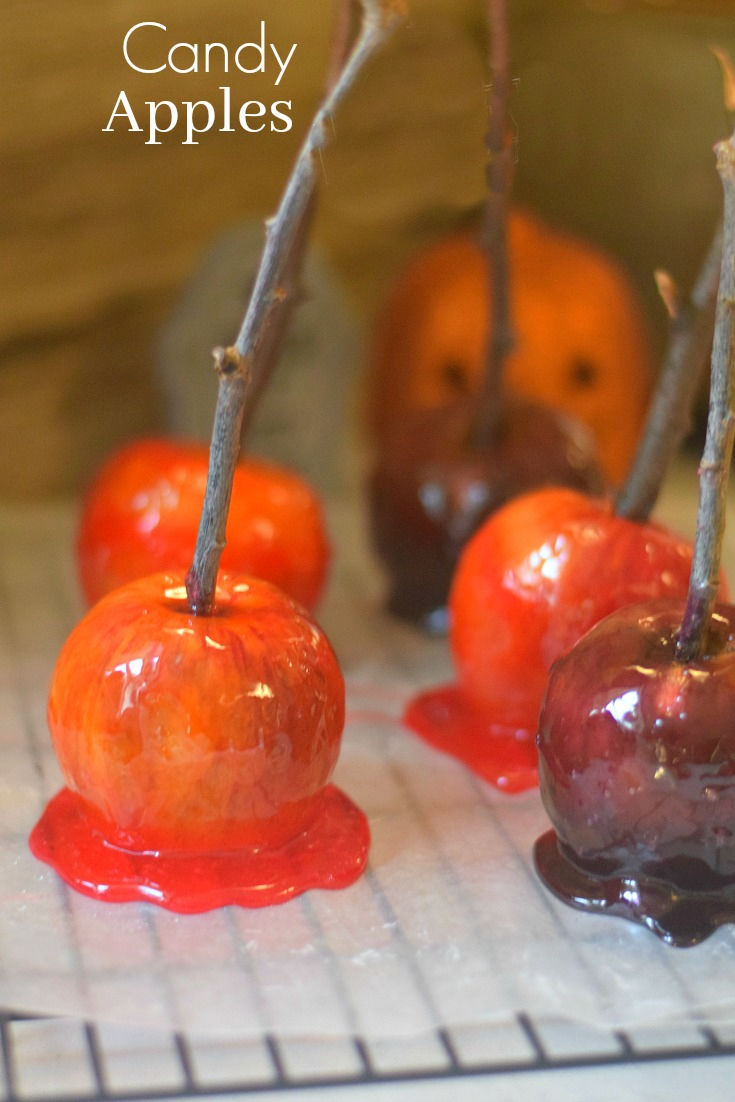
(501, 151)
(669, 415)
(243, 367)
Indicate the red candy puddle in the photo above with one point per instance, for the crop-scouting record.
(503, 755)
(330, 853)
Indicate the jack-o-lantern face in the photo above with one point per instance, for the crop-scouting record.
(581, 343)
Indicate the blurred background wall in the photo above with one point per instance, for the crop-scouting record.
(617, 105)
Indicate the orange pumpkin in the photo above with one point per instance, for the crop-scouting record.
(581, 342)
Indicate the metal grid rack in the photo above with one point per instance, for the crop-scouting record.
(50, 1058)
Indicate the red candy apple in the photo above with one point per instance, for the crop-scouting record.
(197, 751)
(141, 514)
(432, 487)
(537, 575)
(197, 724)
(637, 773)
(637, 734)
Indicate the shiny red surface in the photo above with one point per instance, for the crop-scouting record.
(141, 515)
(197, 735)
(537, 575)
(637, 773)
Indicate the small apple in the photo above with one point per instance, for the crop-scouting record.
(197, 751)
(141, 515)
(637, 773)
(432, 487)
(536, 576)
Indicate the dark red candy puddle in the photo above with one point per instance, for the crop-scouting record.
(503, 755)
(682, 905)
(330, 853)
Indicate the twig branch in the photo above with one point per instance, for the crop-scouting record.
(243, 364)
(341, 37)
(669, 416)
(234, 378)
(495, 238)
(291, 292)
(714, 469)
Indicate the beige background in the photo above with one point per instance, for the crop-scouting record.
(617, 106)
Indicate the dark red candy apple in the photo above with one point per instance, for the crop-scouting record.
(141, 515)
(537, 575)
(197, 751)
(637, 773)
(432, 487)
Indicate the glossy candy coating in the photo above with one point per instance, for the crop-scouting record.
(637, 773)
(431, 489)
(195, 737)
(537, 575)
(141, 515)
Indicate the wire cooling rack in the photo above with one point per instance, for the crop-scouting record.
(434, 969)
(58, 1058)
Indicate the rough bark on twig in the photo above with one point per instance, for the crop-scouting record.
(494, 233)
(714, 469)
(254, 345)
(669, 416)
(290, 290)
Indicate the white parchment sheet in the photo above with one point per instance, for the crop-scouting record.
(448, 928)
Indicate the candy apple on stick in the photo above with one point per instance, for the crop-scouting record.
(637, 732)
(547, 566)
(197, 723)
(141, 512)
(444, 469)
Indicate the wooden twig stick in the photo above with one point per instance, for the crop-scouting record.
(495, 236)
(234, 377)
(291, 292)
(714, 469)
(242, 365)
(669, 416)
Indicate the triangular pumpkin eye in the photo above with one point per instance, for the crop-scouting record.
(583, 373)
(457, 376)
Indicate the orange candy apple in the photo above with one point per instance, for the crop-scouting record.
(197, 750)
(141, 515)
(535, 577)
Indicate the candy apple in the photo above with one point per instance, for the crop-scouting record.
(197, 751)
(197, 716)
(637, 773)
(636, 737)
(432, 487)
(538, 574)
(141, 515)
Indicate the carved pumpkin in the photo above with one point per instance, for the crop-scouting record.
(581, 342)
